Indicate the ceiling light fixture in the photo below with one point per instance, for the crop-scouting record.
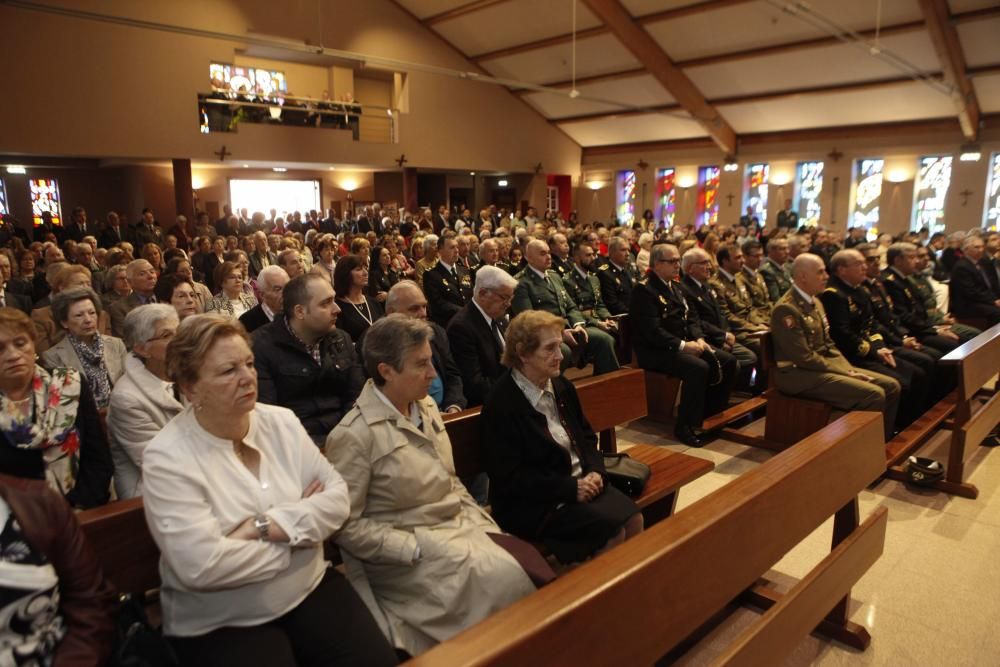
(16, 169)
(246, 166)
(595, 185)
(970, 153)
(501, 183)
(279, 169)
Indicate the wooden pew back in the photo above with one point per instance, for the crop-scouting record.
(118, 534)
(652, 592)
(978, 361)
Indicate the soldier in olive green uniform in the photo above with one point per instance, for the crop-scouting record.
(773, 270)
(540, 288)
(585, 289)
(921, 282)
(809, 363)
(735, 301)
(760, 300)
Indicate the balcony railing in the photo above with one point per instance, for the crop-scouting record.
(222, 112)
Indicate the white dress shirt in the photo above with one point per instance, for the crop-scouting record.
(197, 491)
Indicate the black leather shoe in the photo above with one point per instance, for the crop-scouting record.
(688, 436)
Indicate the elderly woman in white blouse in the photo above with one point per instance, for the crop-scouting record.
(239, 501)
(143, 400)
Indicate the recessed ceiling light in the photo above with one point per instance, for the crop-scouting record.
(502, 184)
(246, 166)
(472, 173)
(279, 169)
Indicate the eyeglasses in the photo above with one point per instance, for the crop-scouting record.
(675, 260)
(506, 298)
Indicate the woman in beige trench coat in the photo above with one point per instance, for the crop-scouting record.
(415, 546)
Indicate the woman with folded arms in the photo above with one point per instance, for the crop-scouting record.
(420, 551)
(143, 400)
(546, 475)
(239, 501)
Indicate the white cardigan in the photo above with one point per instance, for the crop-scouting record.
(141, 405)
(196, 491)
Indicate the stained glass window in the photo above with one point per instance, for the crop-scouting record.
(3, 199)
(808, 187)
(930, 191)
(263, 81)
(867, 193)
(626, 197)
(665, 195)
(991, 217)
(45, 198)
(708, 196)
(755, 189)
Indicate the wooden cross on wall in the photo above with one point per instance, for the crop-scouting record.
(966, 193)
(730, 198)
(222, 153)
(401, 160)
(835, 155)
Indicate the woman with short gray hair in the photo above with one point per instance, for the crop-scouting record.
(421, 553)
(99, 358)
(143, 400)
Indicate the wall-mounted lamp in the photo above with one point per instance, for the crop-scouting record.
(16, 169)
(897, 176)
(685, 183)
(595, 185)
(280, 170)
(780, 179)
(501, 184)
(350, 185)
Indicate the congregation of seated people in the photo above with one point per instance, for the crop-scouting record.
(271, 383)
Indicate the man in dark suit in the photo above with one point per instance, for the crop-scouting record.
(446, 389)
(271, 282)
(448, 286)
(667, 338)
(970, 293)
(618, 276)
(8, 298)
(113, 233)
(476, 333)
(222, 224)
(147, 231)
(261, 257)
(77, 227)
(788, 218)
(907, 305)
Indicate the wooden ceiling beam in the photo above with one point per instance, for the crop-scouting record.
(461, 10)
(944, 36)
(624, 113)
(645, 49)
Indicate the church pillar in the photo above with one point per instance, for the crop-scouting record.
(183, 194)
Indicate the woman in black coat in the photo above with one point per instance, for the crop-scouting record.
(547, 478)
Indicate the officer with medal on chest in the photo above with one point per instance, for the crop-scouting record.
(734, 297)
(808, 362)
(540, 288)
(667, 338)
(585, 289)
(855, 331)
(447, 286)
(617, 276)
(773, 270)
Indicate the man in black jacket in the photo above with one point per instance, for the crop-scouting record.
(970, 294)
(304, 363)
(907, 304)
(476, 333)
(618, 276)
(667, 338)
(271, 281)
(406, 298)
(447, 285)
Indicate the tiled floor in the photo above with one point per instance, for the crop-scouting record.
(933, 598)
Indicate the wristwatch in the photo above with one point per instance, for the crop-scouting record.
(262, 523)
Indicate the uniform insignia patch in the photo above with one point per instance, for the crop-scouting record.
(663, 300)
(790, 322)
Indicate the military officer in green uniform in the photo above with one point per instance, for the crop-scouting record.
(808, 362)
(585, 289)
(919, 281)
(753, 257)
(540, 288)
(773, 270)
(618, 276)
(734, 298)
(559, 249)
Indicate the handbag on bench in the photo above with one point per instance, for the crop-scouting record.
(626, 474)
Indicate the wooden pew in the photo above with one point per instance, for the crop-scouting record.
(978, 361)
(636, 603)
(118, 535)
(608, 400)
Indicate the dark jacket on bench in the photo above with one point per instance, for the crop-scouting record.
(530, 472)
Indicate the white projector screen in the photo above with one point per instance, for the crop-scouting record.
(283, 196)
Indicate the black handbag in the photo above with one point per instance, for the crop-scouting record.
(626, 474)
(139, 644)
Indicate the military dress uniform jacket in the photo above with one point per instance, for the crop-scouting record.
(586, 293)
(549, 294)
(802, 342)
(852, 321)
(446, 293)
(760, 299)
(563, 267)
(702, 300)
(776, 278)
(887, 324)
(907, 304)
(661, 321)
(616, 286)
(734, 298)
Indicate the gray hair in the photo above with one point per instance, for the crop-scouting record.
(842, 258)
(691, 256)
(264, 277)
(658, 252)
(135, 266)
(796, 241)
(645, 239)
(898, 249)
(430, 241)
(140, 323)
(969, 240)
(111, 276)
(392, 298)
(389, 340)
(65, 299)
(617, 242)
(491, 277)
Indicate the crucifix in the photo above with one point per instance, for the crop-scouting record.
(401, 160)
(835, 155)
(730, 198)
(966, 193)
(222, 153)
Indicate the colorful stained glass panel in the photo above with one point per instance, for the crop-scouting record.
(666, 194)
(3, 199)
(808, 188)
(708, 196)
(991, 217)
(930, 191)
(45, 199)
(755, 189)
(867, 192)
(626, 197)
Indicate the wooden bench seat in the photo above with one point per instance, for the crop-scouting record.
(636, 603)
